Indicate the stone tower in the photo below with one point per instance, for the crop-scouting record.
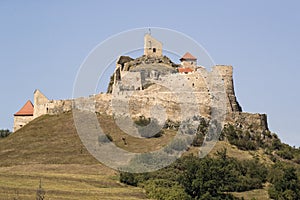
(152, 47)
(40, 104)
(188, 60)
(23, 116)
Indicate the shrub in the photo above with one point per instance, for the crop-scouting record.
(128, 178)
(4, 133)
(165, 190)
(286, 184)
(142, 121)
(242, 139)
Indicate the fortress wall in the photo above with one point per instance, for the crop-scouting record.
(20, 121)
(227, 73)
(40, 100)
(42, 105)
(103, 103)
(54, 107)
(141, 102)
(131, 80)
(256, 122)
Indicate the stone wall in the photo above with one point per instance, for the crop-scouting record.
(254, 122)
(42, 105)
(227, 73)
(152, 47)
(20, 121)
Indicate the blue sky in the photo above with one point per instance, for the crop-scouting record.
(43, 43)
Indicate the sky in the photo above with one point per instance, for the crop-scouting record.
(43, 44)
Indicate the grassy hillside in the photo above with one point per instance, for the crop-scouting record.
(49, 149)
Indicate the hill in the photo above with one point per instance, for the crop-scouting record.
(49, 149)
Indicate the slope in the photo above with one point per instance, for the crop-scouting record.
(48, 149)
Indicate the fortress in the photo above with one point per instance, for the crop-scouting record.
(147, 81)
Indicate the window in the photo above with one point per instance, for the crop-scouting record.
(154, 50)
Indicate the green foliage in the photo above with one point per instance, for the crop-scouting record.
(128, 178)
(4, 133)
(206, 178)
(165, 190)
(224, 174)
(285, 184)
(286, 153)
(242, 139)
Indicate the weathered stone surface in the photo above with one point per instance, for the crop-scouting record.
(151, 85)
(20, 121)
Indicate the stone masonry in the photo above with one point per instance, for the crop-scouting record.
(144, 82)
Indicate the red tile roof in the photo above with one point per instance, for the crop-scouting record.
(26, 110)
(185, 70)
(188, 56)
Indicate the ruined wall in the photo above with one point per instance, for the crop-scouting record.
(254, 122)
(42, 105)
(152, 47)
(227, 73)
(140, 102)
(20, 121)
(131, 81)
(196, 82)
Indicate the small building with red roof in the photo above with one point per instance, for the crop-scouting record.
(23, 116)
(189, 59)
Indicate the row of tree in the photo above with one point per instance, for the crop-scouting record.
(215, 178)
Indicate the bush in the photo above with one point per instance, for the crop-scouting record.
(285, 154)
(286, 184)
(4, 133)
(242, 139)
(206, 178)
(165, 190)
(142, 121)
(128, 178)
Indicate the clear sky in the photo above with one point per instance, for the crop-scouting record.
(43, 43)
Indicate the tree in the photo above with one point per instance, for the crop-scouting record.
(287, 186)
(4, 133)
